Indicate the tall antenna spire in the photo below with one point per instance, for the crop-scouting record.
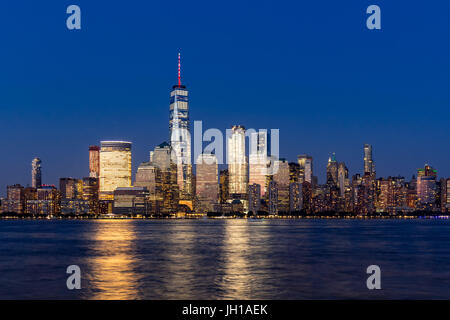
(179, 70)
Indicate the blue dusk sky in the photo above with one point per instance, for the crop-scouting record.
(309, 68)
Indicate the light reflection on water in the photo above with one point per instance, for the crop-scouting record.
(111, 266)
(224, 259)
(236, 279)
(177, 261)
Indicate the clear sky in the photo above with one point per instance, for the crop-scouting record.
(310, 68)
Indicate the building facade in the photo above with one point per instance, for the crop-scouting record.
(258, 159)
(131, 201)
(332, 171)
(254, 198)
(426, 188)
(237, 161)
(36, 173)
(224, 192)
(295, 197)
(167, 191)
(306, 168)
(47, 203)
(115, 167)
(15, 201)
(148, 175)
(180, 137)
(282, 180)
(94, 161)
(71, 188)
(90, 194)
(369, 165)
(207, 185)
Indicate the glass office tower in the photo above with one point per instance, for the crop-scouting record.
(115, 167)
(180, 138)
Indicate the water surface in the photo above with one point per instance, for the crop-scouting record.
(225, 259)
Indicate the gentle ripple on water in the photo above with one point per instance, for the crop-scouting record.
(224, 259)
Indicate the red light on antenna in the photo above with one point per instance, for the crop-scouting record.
(179, 70)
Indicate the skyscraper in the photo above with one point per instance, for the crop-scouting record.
(411, 196)
(306, 168)
(282, 179)
(367, 194)
(447, 195)
(343, 180)
(282, 176)
(426, 188)
(273, 198)
(167, 189)
(15, 201)
(307, 197)
(295, 197)
(149, 176)
(36, 174)
(237, 161)
(115, 167)
(161, 156)
(224, 191)
(94, 161)
(71, 188)
(254, 198)
(331, 192)
(294, 172)
(71, 192)
(258, 160)
(180, 138)
(90, 194)
(332, 171)
(207, 185)
(369, 165)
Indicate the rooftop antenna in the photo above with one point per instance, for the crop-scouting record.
(179, 70)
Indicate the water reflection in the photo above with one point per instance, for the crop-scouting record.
(217, 259)
(178, 266)
(236, 282)
(111, 263)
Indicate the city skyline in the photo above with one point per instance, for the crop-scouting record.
(368, 162)
(257, 181)
(326, 89)
(93, 160)
(179, 131)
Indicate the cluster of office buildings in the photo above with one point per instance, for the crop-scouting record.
(259, 183)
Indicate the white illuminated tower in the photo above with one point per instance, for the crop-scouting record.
(237, 161)
(36, 175)
(258, 160)
(369, 165)
(180, 138)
